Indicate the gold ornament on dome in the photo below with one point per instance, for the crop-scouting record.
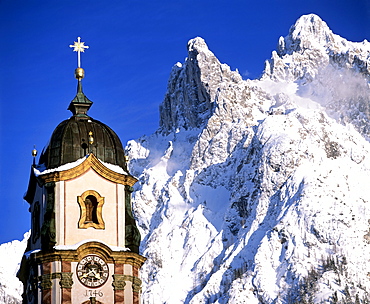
(79, 47)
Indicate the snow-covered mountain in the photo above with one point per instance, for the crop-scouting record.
(11, 255)
(256, 191)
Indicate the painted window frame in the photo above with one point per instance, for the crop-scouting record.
(99, 210)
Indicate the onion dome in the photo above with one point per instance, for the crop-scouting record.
(80, 135)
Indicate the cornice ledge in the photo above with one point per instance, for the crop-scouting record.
(94, 163)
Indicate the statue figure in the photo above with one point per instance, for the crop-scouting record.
(89, 210)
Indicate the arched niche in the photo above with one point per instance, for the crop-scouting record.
(91, 205)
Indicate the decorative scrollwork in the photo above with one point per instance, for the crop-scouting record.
(46, 282)
(119, 282)
(66, 280)
(136, 285)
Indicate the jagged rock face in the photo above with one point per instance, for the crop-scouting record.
(326, 68)
(193, 88)
(309, 47)
(256, 191)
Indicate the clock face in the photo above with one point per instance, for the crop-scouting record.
(92, 271)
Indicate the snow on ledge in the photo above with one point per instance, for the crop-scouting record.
(114, 168)
(75, 246)
(41, 170)
(28, 253)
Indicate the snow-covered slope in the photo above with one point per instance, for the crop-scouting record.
(257, 191)
(11, 255)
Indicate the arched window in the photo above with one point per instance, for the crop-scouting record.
(91, 205)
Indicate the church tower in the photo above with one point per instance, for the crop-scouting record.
(84, 243)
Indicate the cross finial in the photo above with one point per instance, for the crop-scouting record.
(79, 47)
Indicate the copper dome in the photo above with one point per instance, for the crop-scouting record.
(70, 139)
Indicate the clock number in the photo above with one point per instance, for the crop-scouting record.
(93, 293)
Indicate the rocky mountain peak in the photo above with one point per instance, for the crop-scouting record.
(193, 87)
(196, 46)
(310, 31)
(252, 192)
(310, 48)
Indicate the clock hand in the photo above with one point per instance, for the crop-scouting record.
(88, 273)
(96, 274)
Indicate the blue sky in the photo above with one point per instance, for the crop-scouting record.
(133, 46)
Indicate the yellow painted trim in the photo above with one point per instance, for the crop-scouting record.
(91, 162)
(93, 247)
(99, 210)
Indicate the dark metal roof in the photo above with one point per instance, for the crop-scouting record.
(70, 142)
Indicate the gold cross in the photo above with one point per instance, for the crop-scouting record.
(79, 47)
